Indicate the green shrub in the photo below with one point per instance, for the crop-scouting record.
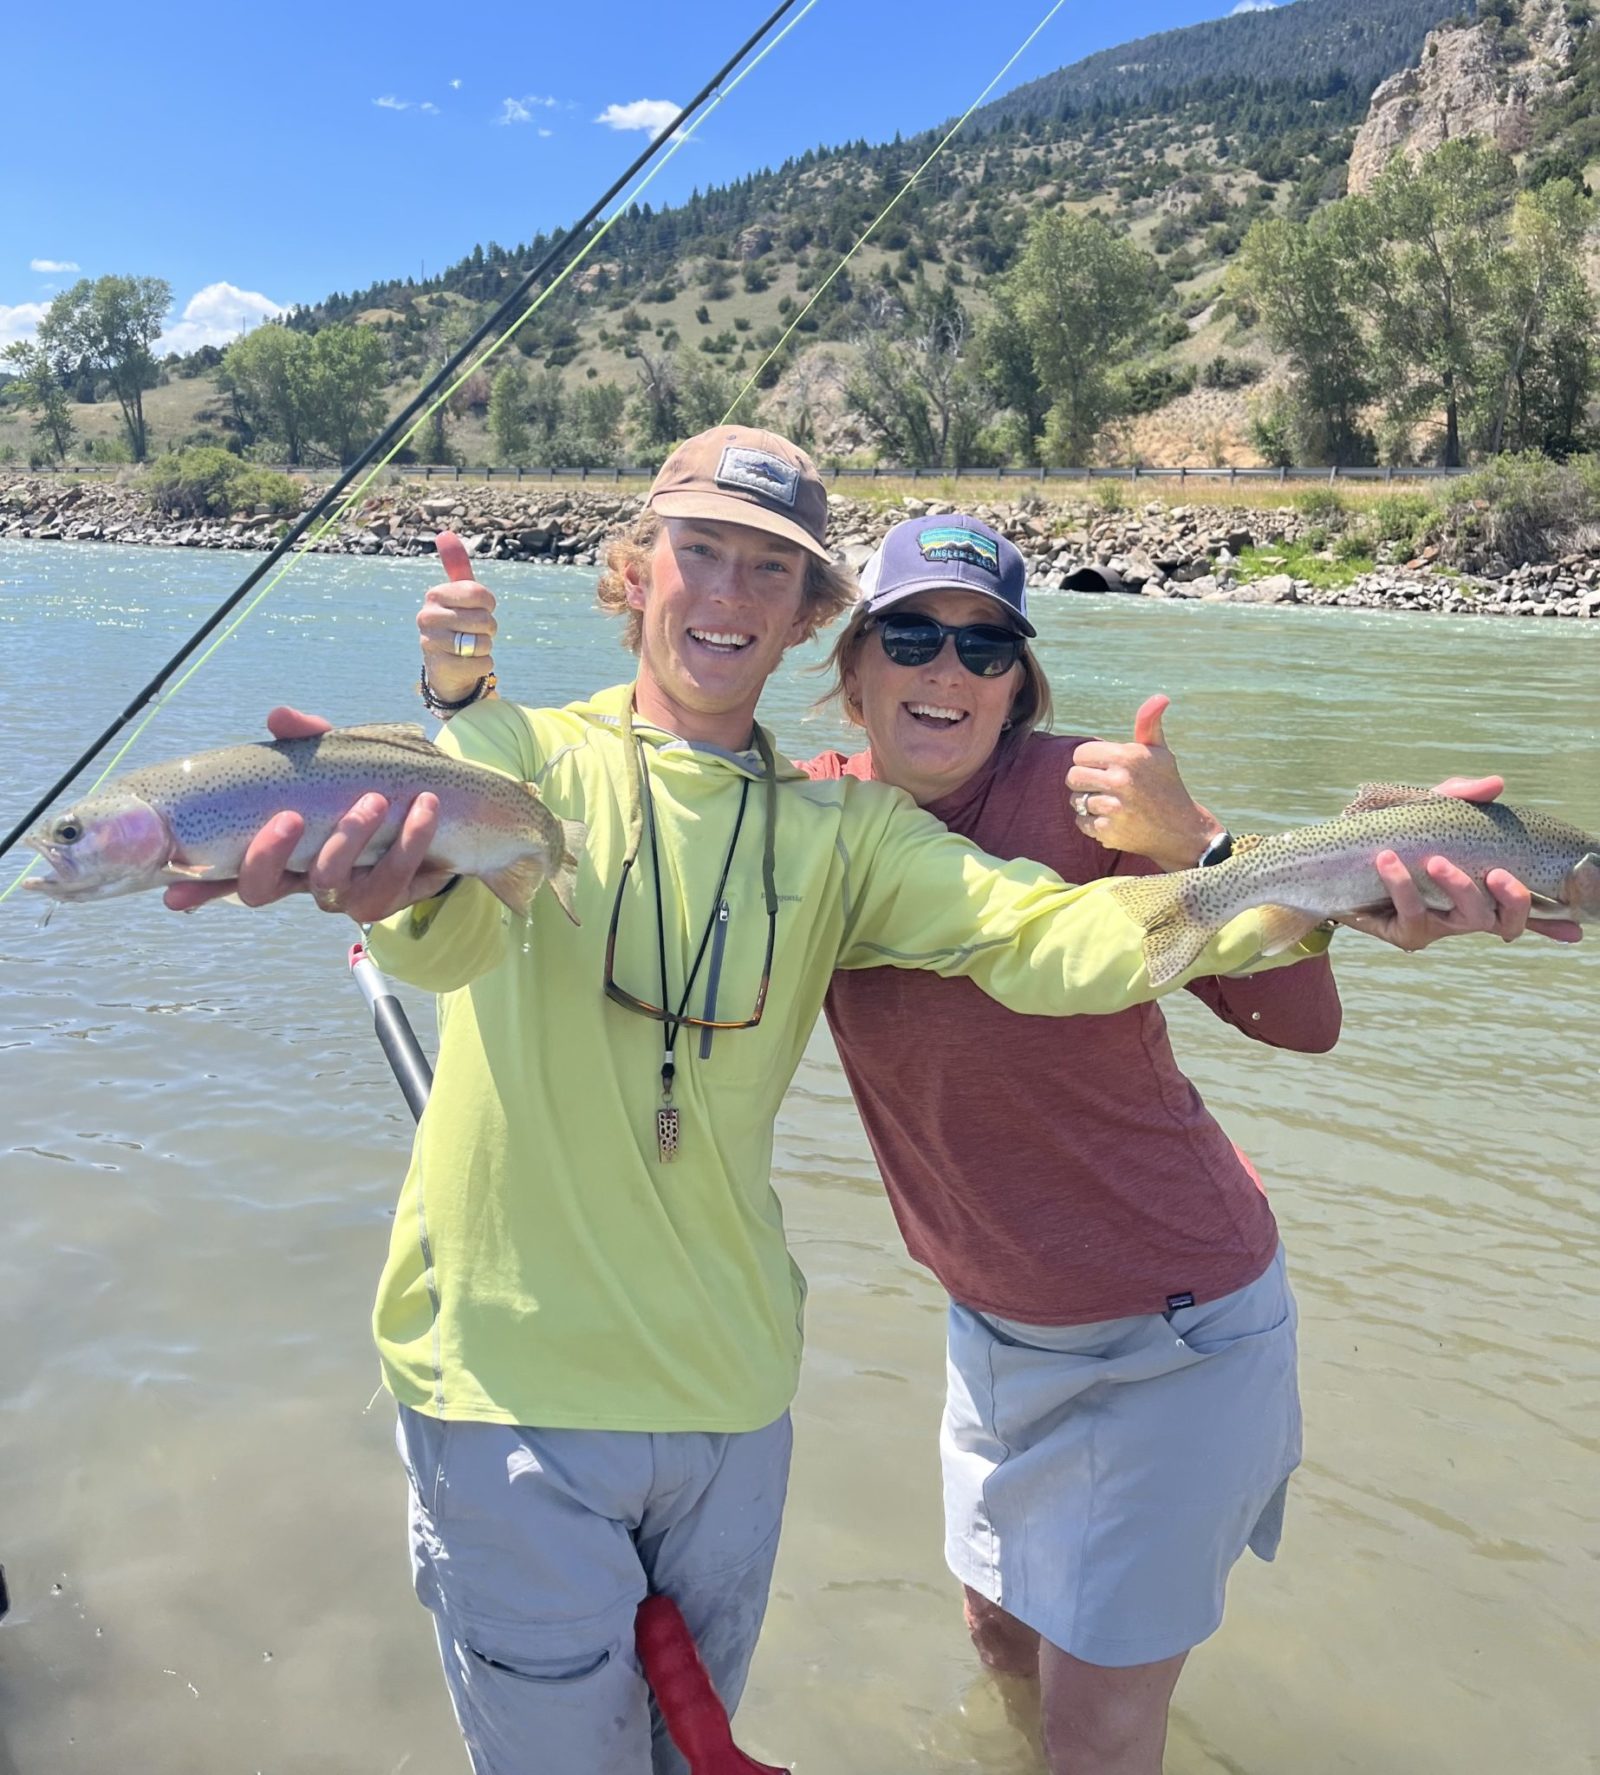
(195, 483)
(257, 487)
(1231, 372)
(1520, 508)
(206, 482)
(1405, 519)
(1152, 385)
(1322, 505)
(1110, 497)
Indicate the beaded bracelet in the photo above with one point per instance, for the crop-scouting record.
(438, 705)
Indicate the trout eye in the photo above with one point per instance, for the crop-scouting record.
(66, 831)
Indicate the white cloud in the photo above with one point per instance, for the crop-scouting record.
(649, 114)
(546, 132)
(521, 110)
(429, 106)
(390, 103)
(20, 322)
(455, 86)
(52, 264)
(1254, 6)
(217, 315)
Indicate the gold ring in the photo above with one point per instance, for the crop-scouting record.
(329, 899)
(466, 644)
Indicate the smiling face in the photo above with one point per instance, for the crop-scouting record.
(719, 605)
(931, 727)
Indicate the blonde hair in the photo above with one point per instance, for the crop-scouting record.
(1031, 707)
(828, 589)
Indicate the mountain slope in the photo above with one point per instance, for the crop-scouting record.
(1366, 40)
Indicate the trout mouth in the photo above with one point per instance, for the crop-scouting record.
(64, 882)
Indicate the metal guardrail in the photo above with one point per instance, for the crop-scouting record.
(453, 472)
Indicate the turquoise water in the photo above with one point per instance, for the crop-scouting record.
(200, 1512)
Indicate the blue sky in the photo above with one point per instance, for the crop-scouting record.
(270, 153)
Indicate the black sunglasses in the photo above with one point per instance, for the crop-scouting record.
(986, 649)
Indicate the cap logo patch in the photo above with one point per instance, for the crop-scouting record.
(759, 472)
(950, 542)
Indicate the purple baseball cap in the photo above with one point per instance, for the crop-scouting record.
(953, 553)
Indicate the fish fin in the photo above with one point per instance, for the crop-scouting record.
(393, 733)
(1372, 796)
(517, 883)
(563, 884)
(189, 871)
(1580, 892)
(1284, 926)
(1173, 936)
(1245, 841)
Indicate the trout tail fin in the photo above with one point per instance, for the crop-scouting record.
(564, 882)
(1174, 933)
(518, 882)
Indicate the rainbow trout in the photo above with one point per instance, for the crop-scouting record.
(1300, 878)
(191, 820)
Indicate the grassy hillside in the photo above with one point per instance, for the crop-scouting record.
(1180, 140)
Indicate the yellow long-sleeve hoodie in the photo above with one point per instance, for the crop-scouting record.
(546, 1268)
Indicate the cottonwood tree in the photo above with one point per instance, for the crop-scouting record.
(267, 375)
(106, 327)
(1078, 303)
(1302, 281)
(347, 372)
(508, 415)
(915, 384)
(1428, 237)
(1541, 344)
(38, 387)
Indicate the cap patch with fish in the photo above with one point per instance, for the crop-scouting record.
(191, 819)
(1297, 879)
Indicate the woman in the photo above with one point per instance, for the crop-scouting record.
(1122, 1414)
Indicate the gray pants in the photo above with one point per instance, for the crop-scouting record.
(532, 1549)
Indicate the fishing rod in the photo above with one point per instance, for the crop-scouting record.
(691, 1709)
(392, 433)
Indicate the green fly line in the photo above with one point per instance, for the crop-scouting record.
(871, 228)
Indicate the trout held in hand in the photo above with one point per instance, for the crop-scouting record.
(192, 819)
(1300, 878)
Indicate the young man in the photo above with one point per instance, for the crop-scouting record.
(588, 1315)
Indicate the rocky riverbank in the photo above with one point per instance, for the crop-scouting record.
(1152, 550)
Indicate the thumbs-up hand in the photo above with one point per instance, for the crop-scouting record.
(460, 607)
(1130, 797)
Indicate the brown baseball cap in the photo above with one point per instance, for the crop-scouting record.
(735, 474)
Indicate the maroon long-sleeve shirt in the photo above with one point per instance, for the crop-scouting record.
(1058, 1170)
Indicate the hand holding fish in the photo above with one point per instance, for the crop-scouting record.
(454, 616)
(1502, 906)
(399, 878)
(1132, 798)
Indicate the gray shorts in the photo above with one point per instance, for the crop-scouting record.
(1101, 1480)
(533, 1549)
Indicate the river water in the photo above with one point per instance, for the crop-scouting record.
(200, 1508)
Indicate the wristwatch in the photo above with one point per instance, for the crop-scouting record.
(1218, 851)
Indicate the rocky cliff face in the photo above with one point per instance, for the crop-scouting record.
(1479, 80)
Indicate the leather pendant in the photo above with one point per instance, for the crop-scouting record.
(667, 1133)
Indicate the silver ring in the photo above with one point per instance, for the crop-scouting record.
(466, 645)
(1080, 805)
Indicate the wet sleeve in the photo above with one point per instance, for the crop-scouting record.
(920, 897)
(445, 943)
